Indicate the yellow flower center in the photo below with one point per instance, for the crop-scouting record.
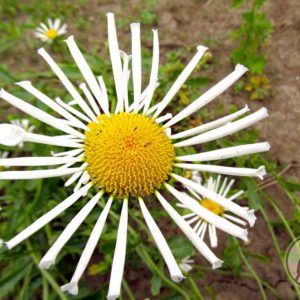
(212, 206)
(128, 154)
(51, 33)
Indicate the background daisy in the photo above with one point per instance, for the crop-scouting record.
(50, 31)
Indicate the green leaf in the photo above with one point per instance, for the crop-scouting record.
(155, 285)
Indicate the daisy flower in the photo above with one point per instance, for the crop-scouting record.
(47, 33)
(127, 152)
(25, 124)
(209, 214)
(186, 264)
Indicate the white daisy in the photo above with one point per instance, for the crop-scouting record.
(25, 124)
(186, 264)
(209, 214)
(47, 33)
(124, 152)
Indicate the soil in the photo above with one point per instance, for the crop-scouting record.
(187, 23)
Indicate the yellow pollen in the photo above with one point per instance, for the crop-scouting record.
(128, 154)
(51, 33)
(212, 206)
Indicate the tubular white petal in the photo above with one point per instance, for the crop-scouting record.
(180, 80)
(187, 216)
(212, 236)
(117, 268)
(85, 177)
(37, 161)
(227, 129)
(126, 59)
(207, 215)
(73, 111)
(222, 188)
(90, 98)
(104, 91)
(50, 103)
(231, 206)
(154, 72)
(36, 174)
(161, 243)
(202, 229)
(115, 58)
(39, 114)
(11, 135)
(210, 125)
(66, 82)
(50, 256)
(189, 232)
(228, 187)
(136, 63)
(163, 118)
(236, 195)
(70, 153)
(233, 171)
(227, 152)
(45, 219)
(210, 95)
(75, 176)
(50, 140)
(89, 248)
(86, 71)
(235, 219)
(192, 220)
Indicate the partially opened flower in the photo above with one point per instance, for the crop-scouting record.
(125, 153)
(47, 33)
(208, 215)
(24, 124)
(186, 264)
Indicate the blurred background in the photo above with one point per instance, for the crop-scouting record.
(261, 34)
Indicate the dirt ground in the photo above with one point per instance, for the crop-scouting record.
(187, 23)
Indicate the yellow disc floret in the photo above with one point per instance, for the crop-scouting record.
(128, 154)
(51, 33)
(212, 206)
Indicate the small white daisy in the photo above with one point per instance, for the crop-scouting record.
(126, 152)
(47, 33)
(186, 264)
(207, 214)
(24, 124)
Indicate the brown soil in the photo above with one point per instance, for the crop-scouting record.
(187, 23)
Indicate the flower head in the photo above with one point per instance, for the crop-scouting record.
(126, 153)
(48, 33)
(186, 264)
(209, 216)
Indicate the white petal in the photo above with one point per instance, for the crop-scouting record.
(50, 103)
(161, 243)
(233, 171)
(11, 135)
(86, 71)
(50, 257)
(235, 219)
(38, 161)
(56, 24)
(115, 58)
(70, 153)
(236, 195)
(126, 58)
(210, 95)
(91, 244)
(231, 206)
(154, 72)
(180, 80)
(228, 187)
(190, 233)
(222, 188)
(163, 118)
(90, 98)
(50, 140)
(212, 236)
(36, 174)
(225, 130)
(75, 176)
(39, 114)
(207, 215)
(104, 91)
(66, 82)
(45, 219)
(210, 125)
(119, 256)
(72, 110)
(228, 152)
(136, 63)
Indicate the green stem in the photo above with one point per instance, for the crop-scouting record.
(45, 289)
(45, 274)
(142, 252)
(252, 271)
(194, 287)
(128, 290)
